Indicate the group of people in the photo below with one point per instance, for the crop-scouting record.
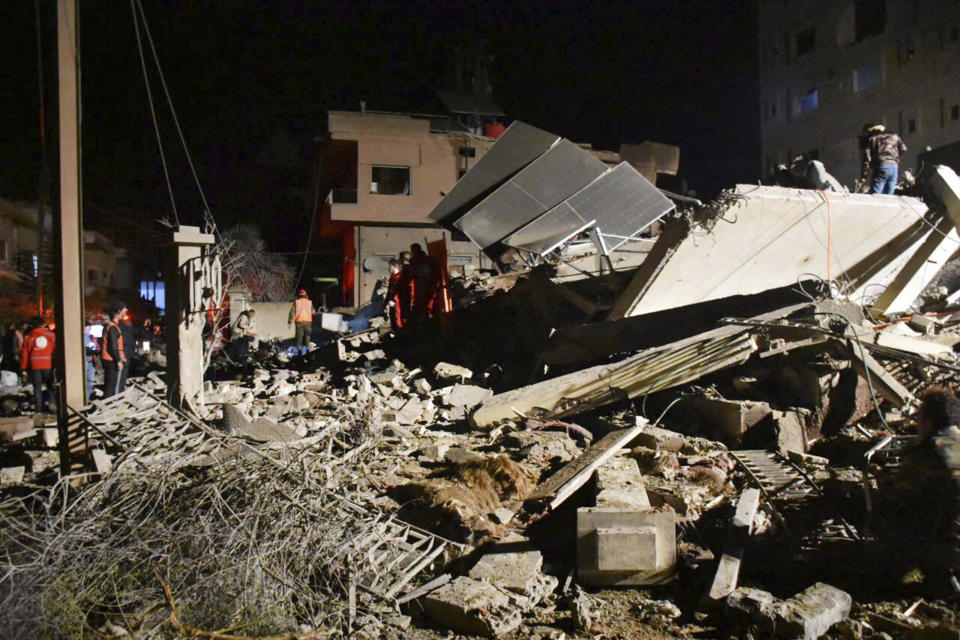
(414, 288)
(243, 329)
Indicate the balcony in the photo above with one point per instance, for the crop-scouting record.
(342, 196)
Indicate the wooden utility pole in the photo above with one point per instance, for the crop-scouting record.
(70, 355)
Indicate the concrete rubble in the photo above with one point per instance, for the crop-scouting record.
(639, 454)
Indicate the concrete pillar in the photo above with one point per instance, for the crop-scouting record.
(185, 284)
(70, 355)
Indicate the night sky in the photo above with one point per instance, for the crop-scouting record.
(250, 77)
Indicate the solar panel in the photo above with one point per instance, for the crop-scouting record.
(557, 174)
(519, 145)
(620, 204)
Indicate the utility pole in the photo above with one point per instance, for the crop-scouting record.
(70, 355)
(43, 201)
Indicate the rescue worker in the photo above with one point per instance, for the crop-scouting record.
(405, 287)
(111, 352)
(301, 313)
(925, 492)
(424, 284)
(36, 360)
(130, 348)
(243, 334)
(881, 159)
(394, 300)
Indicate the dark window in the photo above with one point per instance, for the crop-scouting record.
(954, 33)
(955, 112)
(805, 41)
(866, 77)
(91, 275)
(390, 181)
(912, 125)
(813, 154)
(870, 18)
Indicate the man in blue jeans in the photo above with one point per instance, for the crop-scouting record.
(881, 159)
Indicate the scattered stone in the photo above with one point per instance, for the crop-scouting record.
(515, 565)
(659, 439)
(753, 607)
(810, 613)
(582, 610)
(422, 386)
(375, 354)
(102, 461)
(410, 412)
(447, 371)
(12, 475)
(807, 460)
(51, 437)
(473, 606)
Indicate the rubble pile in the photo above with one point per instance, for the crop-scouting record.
(705, 453)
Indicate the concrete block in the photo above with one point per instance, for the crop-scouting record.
(604, 534)
(790, 431)
(729, 420)
(410, 412)
(753, 607)
(422, 386)
(474, 607)
(447, 371)
(466, 396)
(626, 549)
(102, 461)
(810, 613)
(658, 439)
(51, 437)
(620, 484)
(12, 475)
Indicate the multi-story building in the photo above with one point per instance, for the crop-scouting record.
(382, 174)
(828, 67)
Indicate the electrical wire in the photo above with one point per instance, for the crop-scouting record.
(153, 111)
(173, 111)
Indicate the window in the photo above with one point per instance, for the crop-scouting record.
(906, 50)
(955, 112)
(912, 125)
(866, 77)
(870, 18)
(789, 105)
(805, 41)
(91, 275)
(954, 33)
(810, 101)
(390, 181)
(3, 251)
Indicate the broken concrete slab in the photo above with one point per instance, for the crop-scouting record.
(466, 396)
(754, 607)
(776, 236)
(262, 429)
(728, 569)
(620, 484)
(516, 565)
(12, 475)
(810, 613)
(410, 412)
(10, 427)
(727, 420)
(447, 371)
(473, 606)
(659, 440)
(102, 461)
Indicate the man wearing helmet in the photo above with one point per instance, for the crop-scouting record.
(301, 313)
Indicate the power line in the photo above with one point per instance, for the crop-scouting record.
(173, 111)
(153, 111)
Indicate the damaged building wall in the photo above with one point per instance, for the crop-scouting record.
(827, 68)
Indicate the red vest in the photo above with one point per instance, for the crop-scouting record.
(37, 351)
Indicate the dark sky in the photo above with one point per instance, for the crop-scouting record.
(682, 72)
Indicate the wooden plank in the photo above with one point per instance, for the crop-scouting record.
(574, 475)
(728, 569)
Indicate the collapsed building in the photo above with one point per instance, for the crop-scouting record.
(686, 439)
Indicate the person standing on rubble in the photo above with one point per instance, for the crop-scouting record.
(301, 313)
(925, 492)
(243, 334)
(130, 341)
(36, 361)
(111, 352)
(424, 284)
(394, 301)
(881, 159)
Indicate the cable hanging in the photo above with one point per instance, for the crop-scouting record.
(153, 111)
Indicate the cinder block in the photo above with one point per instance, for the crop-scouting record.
(622, 546)
(626, 549)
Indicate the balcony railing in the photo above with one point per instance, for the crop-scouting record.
(342, 196)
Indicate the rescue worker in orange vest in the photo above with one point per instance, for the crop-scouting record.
(36, 356)
(394, 300)
(301, 313)
(111, 352)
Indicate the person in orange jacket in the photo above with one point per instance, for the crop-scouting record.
(111, 352)
(36, 357)
(424, 284)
